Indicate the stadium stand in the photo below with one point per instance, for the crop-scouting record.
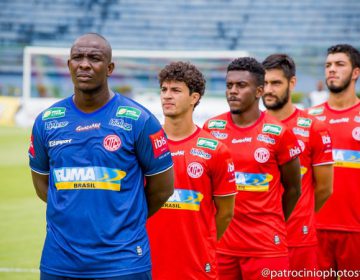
(303, 29)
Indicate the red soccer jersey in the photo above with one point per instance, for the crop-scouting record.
(342, 210)
(315, 143)
(183, 232)
(258, 226)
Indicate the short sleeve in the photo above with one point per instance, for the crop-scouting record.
(152, 148)
(223, 172)
(288, 147)
(320, 144)
(38, 156)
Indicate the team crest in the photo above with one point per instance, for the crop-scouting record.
(356, 133)
(262, 155)
(195, 170)
(112, 143)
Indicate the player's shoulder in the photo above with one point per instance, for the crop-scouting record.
(57, 110)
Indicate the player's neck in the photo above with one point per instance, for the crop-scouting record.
(283, 113)
(343, 100)
(179, 128)
(246, 118)
(90, 102)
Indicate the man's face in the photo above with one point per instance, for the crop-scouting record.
(176, 100)
(241, 91)
(338, 72)
(277, 89)
(89, 63)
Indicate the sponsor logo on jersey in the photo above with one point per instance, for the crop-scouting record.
(326, 139)
(31, 147)
(178, 153)
(276, 239)
(207, 143)
(266, 139)
(139, 251)
(316, 111)
(195, 170)
(54, 143)
(242, 140)
(252, 182)
(112, 143)
(356, 133)
(304, 122)
(55, 125)
(342, 120)
(128, 112)
(217, 124)
(301, 144)
(207, 267)
(81, 128)
(200, 153)
(321, 118)
(159, 143)
(305, 230)
(184, 200)
(346, 158)
(294, 151)
(300, 131)
(271, 129)
(219, 135)
(94, 177)
(357, 119)
(121, 124)
(53, 113)
(261, 155)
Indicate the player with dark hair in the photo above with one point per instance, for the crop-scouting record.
(184, 232)
(338, 222)
(89, 156)
(316, 160)
(267, 173)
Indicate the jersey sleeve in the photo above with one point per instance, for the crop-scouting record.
(223, 172)
(152, 148)
(288, 148)
(320, 144)
(38, 157)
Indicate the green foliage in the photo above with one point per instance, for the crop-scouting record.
(297, 97)
(22, 214)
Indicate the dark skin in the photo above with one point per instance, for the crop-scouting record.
(243, 93)
(90, 66)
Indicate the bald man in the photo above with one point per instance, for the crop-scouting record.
(89, 156)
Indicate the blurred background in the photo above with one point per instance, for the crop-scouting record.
(35, 36)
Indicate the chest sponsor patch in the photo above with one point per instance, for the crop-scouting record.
(316, 111)
(219, 135)
(178, 153)
(112, 143)
(195, 170)
(128, 112)
(252, 182)
(159, 143)
(81, 128)
(341, 120)
(241, 140)
(266, 139)
(272, 129)
(207, 143)
(183, 199)
(54, 143)
(120, 124)
(300, 131)
(304, 122)
(94, 177)
(53, 113)
(200, 153)
(261, 155)
(357, 119)
(55, 125)
(217, 124)
(321, 118)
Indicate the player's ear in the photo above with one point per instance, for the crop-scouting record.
(195, 98)
(356, 73)
(292, 83)
(259, 91)
(110, 68)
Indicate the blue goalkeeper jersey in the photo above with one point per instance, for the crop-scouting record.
(96, 204)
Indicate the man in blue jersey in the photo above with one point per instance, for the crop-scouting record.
(89, 155)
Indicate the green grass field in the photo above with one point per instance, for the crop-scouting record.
(22, 214)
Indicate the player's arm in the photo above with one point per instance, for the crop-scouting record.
(291, 181)
(41, 184)
(323, 177)
(158, 189)
(224, 212)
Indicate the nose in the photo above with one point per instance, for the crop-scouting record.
(84, 63)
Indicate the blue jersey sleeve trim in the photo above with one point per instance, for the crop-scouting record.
(166, 169)
(40, 172)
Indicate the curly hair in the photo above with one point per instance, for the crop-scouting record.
(251, 65)
(349, 50)
(282, 62)
(184, 72)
